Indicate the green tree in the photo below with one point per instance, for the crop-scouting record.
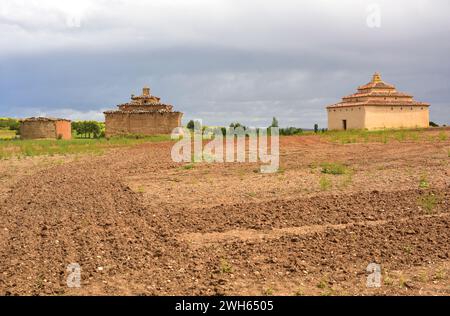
(433, 124)
(236, 125)
(190, 125)
(9, 123)
(89, 129)
(274, 122)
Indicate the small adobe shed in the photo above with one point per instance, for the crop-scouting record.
(45, 127)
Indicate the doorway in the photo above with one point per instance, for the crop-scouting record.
(344, 124)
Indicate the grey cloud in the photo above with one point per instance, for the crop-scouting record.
(236, 61)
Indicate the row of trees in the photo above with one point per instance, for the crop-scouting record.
(89, 129)
(9, 123)
(282, 131)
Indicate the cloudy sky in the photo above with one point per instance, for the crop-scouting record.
(219, 60)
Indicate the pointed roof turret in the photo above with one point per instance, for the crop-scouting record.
(143, 103)
(378, 92)
(376, 77)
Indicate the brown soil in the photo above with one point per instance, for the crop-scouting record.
(138, 223)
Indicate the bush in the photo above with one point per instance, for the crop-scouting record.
(290, 131)
(282, 131)
(237, 124)
(433, 124)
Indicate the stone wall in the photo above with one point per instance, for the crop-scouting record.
(150, 123)
(40, 129)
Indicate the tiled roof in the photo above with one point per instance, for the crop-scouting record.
(378, 103)
(138, 104)
(161, 111)
(382, 85)
(378, 94)
(374, 93)
(145, 103)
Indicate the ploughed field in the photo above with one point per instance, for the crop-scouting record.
(138, 223)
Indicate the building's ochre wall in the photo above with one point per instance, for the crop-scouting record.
(63, 129)
(152, 123)
(353, 115)
(378, 117)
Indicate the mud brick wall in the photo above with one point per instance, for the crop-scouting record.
(45, 129)
(152, 123)
(37, 129)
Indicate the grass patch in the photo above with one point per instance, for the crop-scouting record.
(252, 194)
(333, 168)
(408, 249)
(442, 136)
(225, 267)
(348, 179)
(380, 136)
(325, 183)
(141, 189)
(188, 166)
(387, 280)
(30, 148)
(440, 275)
(423, 182)
(423, 277)
(7, 134)
(402, 281)
(299, 292)
(323, 284)
(268, 292)
(428, 202)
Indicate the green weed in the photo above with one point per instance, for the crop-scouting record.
(428, 202)
(423, 182)
(225, 267)
(334, 168)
